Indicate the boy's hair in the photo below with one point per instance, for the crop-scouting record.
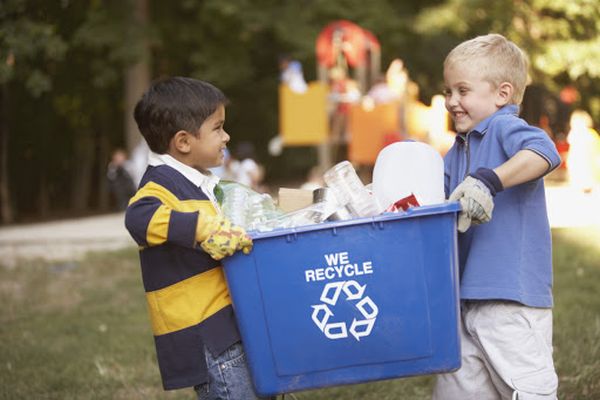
(175, 104)
(503, 61)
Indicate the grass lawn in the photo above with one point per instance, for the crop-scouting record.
(80, 330)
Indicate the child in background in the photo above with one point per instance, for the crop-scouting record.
(176, 221)
(246, 170)
(584, 152)
(497, 163)
(120, 180)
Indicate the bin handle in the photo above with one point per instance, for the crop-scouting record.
(376, 224)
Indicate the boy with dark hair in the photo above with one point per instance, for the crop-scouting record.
(175, 219)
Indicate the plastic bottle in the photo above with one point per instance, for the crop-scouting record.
(350, 191)
(261, 208)
(235, 205)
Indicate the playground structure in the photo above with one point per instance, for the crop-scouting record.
(352, 111)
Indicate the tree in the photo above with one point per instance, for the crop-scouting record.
(30, 48)
(561, 37)
(68, 67)
(137, 72)
(110, 47)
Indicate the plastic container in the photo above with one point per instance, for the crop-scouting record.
(326, 195)
(261, 209)
(235, 204)
(349, 302)
(350, 191)
(247, 208)
(405, 168)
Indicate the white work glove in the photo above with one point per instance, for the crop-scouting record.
(476, 202)
(476, 196)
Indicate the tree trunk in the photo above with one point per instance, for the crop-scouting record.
(43, 201)
(6, 210)
(137, 77)
(82, 172)
(103, 156)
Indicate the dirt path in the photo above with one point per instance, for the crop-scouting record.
(63, 240)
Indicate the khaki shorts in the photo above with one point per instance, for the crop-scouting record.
(506, 354)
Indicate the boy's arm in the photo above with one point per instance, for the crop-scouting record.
(152, 220)
(219, 238)
(477, 191)
(537, 158)
(524, 166)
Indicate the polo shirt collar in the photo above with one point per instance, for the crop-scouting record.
(507, 109)
(482, 127)
(207, 181)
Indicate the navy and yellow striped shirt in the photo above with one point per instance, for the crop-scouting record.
(188, 300)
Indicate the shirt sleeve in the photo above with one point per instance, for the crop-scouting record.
(518, 135)
(151, 218)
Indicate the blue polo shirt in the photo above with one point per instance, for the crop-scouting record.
(510, 257)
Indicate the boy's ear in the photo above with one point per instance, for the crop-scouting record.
(181, 142)
(505, 93)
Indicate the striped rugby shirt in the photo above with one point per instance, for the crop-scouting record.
(186, 292)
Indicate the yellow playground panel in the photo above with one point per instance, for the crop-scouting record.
(303, 116)
(369, 129)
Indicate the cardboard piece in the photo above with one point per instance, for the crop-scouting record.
(294, 199)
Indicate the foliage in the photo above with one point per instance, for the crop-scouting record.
(561, 37)
(63, 63)
(30, 47)
(69, 78)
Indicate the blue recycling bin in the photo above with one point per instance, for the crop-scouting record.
(349, 302)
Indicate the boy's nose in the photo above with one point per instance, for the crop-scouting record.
(226, 137)
(451, 100)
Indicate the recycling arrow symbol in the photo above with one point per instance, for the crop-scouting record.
(352, 291)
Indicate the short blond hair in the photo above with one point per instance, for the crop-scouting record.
(499, 59)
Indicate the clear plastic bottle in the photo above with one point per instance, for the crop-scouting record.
(350, 191)
(261, 208)
(235, 205)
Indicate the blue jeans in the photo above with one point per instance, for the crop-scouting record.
(228, 376)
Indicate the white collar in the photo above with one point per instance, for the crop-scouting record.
(206, 181)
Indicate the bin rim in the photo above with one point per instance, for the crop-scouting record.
(443, 208)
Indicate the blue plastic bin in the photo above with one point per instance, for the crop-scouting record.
(349, 302)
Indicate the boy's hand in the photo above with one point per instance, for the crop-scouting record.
(476, 201)
(219, 238)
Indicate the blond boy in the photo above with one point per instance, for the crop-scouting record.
(497, 164)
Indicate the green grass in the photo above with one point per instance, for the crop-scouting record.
(80, 330)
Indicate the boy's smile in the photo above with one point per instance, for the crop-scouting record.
(469, 97)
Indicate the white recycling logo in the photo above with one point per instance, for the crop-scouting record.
(338, 330)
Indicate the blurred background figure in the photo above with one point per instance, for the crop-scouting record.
(397, 77)
(292, 75)
(244, 168)
(138, 162)
(225, 171)
(382, 93)
(120, 181)
(583, 162)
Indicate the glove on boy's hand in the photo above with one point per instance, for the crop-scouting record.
(219, 238)
(475, 195)
(476, 202)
